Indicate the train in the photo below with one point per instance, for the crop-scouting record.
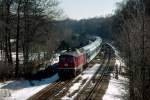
(72, 63)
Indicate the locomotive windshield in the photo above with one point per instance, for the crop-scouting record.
(66, 58)
(66, 61)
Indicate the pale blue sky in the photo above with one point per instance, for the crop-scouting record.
(78, 9)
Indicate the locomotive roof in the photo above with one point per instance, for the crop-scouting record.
(72, 53)
(97, 41)
(80, 51)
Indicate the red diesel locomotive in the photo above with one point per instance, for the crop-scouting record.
(71, 63)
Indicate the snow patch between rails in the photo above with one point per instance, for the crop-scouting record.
(85, 77)
(22, 90)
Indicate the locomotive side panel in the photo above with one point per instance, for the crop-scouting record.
(81, 60)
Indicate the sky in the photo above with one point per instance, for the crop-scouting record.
(79, 9)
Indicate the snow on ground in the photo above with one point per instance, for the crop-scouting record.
(120, 66)
(21, 90)
(117, 89)
(5, 83)
(1, 57)
(117, 53)
(78, 86)
(119, 63)
(55, 58)
(33, 57)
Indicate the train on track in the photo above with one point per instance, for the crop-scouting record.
(71, 63)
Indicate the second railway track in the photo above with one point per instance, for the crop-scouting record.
(96, 82)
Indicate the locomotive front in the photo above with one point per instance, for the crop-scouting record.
(66, 62)
(66, 65)
(70, 64)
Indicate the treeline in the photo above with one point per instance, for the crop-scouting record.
(132, 33)
(93, 26)
(25, 27)
(77, 33)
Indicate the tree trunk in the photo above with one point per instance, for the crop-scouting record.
(143, 55)
(26, 34)
(17, 39)
(8, 32)
(131, 86)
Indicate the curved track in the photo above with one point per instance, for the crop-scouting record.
(98, 83)
(51, 90)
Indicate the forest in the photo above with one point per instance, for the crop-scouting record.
(27, 27)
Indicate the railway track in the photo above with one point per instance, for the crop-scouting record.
(96, 83)
(54, 91)
(51, 90)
